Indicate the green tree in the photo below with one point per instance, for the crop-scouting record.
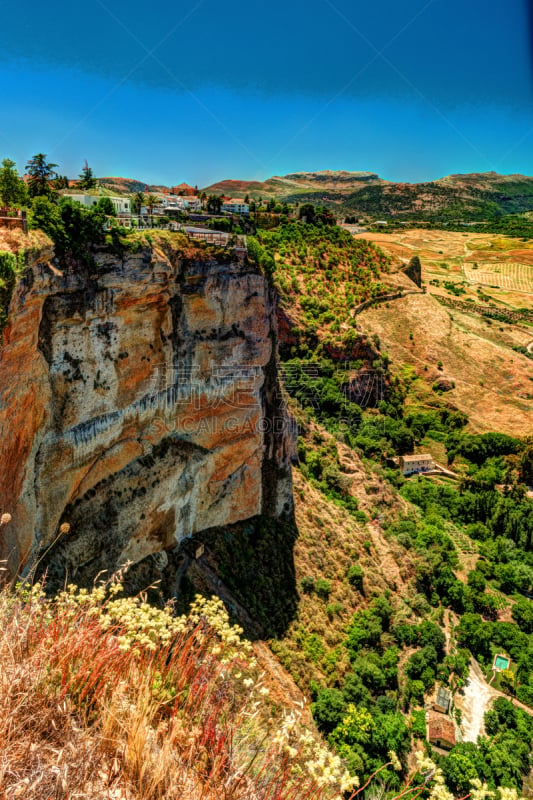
(522, 613)
(61, 182)
(355, 576)
(73, 228)
(151, 202)
(525, 463)
(137, 203)
(474, 634)
(105, 206)
(46, 216)
(459, 769)
(214, 204)
(329, 709)
(87, 179)
(476, 581)
(40, 175)
(13, 190)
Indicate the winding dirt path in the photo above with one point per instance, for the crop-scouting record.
(477, 699)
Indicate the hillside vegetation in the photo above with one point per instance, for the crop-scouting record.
(380, 571)
(403, 584)
(321, 274)
(476, 196)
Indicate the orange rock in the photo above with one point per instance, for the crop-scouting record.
(141, 405)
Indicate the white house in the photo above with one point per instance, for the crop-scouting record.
(174, 202)
(422, 462)
(236, 206)
(184, 203)
(122, 204)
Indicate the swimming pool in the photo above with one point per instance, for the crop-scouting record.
(501, 662)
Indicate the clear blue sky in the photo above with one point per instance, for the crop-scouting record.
(204, 90)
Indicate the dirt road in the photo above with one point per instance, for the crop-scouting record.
(477, 699)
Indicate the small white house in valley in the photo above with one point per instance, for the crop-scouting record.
(236, 206)
(421, 462)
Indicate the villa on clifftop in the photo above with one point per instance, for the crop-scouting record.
(236, 206)
(122, 205)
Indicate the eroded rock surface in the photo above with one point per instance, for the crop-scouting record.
(140, 403)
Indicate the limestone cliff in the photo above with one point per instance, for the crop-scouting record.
(140, 403)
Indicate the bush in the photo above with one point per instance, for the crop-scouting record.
(322, 588)
(328, 710)
(334, 610)
(355, 576)
(8, 265)
(307, 584)
(418, 724)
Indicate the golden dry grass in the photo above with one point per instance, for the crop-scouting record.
(14, 240)
(114, 699)
(493, 383)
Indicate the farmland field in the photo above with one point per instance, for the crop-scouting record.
(500, 267)
(513, 276)
(480, 361)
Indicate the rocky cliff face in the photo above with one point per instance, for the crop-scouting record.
(140, 403)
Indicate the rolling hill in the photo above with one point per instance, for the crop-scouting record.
(471, 197)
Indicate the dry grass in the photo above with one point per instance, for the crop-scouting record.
(14, 240)
(111, 699)
(493, 383)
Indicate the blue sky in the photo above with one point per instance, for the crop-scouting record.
(201, 90)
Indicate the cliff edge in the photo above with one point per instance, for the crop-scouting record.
(139, 403)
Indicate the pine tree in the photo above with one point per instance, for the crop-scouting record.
(40, 175)
(87, 177)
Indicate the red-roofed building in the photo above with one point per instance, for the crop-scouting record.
(184, 190)
(441, 731)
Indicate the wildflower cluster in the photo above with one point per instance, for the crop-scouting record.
(140, 623)
(213, 613)
(308, 754)
(433, 775)
(136, 622)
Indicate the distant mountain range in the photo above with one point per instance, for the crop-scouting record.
(474, 195)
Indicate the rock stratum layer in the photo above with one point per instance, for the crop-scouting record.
(140, 403)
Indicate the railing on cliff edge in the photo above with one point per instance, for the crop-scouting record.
(13, 218)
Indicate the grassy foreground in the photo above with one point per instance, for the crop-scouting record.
(109, 697)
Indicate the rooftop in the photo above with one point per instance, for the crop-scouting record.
(418, 457)
(441, 728)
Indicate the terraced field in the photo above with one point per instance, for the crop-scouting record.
(512, 276)
(502, 266)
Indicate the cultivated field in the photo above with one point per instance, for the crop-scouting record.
(485, 375)
(499, 268)
(513, 276)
